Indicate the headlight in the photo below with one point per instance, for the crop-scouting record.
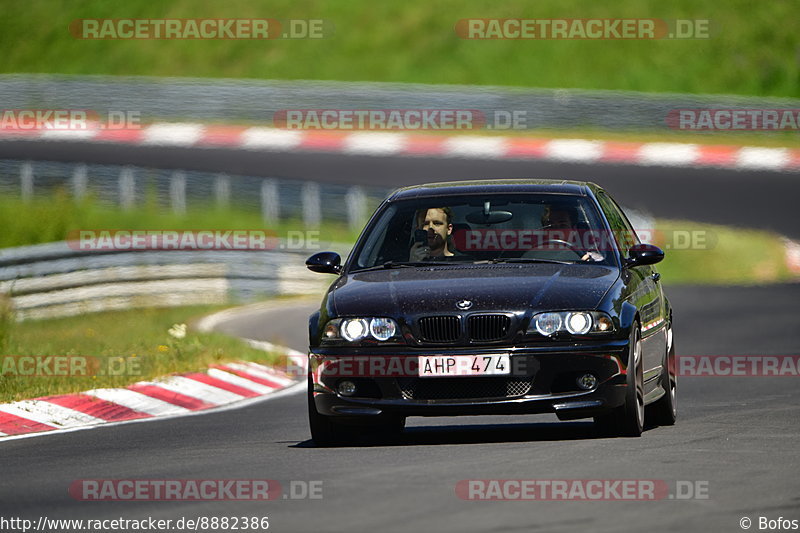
(548, 323)
(573, 322)
(382, 328)
(356, 329)
(579, 323)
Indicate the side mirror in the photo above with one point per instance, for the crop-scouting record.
(325, 263)
(644, 254)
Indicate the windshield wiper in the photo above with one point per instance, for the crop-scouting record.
(528, 260)
(399, 264)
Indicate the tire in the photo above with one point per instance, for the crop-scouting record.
(664, 412)
(627, 420)
(324, 431)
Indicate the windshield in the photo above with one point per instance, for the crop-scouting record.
(483, 228)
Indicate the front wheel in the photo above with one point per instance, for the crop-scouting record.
(627, 420)
(326, 431)
(665, 410)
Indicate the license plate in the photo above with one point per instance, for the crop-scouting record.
(464, 365)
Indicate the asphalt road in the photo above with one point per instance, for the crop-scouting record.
(736, 436)
(754, 199)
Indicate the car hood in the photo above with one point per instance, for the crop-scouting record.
(502, 287)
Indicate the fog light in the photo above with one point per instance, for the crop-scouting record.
(347, 388)
(586, 382)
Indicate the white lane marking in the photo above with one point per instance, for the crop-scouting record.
(374, 143)
(574, 150)
(467, 146)
(262, 373)
(669, 154)
(49, 413)
(137, 401)
(269, 347)
(757, 158)
(239, 381)
(270, 139)
(199, 390)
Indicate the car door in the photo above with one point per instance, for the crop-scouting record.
(644, 291)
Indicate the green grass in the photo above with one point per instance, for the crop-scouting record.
(752, 51)
(51, 217)
(137, 341)
(719, 254)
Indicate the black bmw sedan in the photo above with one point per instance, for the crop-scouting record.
(492, 297)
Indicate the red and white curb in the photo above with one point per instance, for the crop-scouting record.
(411, 144)
(230, 385)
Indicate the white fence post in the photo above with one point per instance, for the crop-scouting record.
(79, 182)
(177, 192)
(312, 205)
(127, 188)
(356, 203)
(222, 190)
(26, 181)
(270, 202)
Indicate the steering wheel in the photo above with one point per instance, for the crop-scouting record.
(570, 246)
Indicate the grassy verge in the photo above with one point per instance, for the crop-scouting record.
(49, 218)
(123, 346)
(750, 50)
(710, 254)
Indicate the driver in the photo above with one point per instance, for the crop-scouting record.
(437, 222)
(561, 217)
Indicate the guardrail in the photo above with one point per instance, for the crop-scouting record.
(54, 279)
(256, 101)
(178, 190)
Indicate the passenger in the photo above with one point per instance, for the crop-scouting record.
(561, 217)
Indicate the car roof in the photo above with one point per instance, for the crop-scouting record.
(493, 186)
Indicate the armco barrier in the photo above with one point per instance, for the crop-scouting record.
(256, 101)
(53, 279)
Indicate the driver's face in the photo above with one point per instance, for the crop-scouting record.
(435, 223)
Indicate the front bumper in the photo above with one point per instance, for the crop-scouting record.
(543, 380)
